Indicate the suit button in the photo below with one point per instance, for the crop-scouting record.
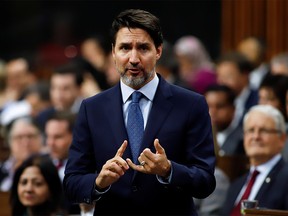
(134, 188)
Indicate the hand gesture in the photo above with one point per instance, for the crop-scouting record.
(113, 169)
(152, 163)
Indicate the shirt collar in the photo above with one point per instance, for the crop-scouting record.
(266, 167)
(148, 90)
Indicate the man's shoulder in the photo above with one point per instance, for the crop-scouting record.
(105, 93)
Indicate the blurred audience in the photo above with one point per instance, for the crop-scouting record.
(233, 69)
(36, 98)
(94, 52)
(2, 83)
(112, 75)
(19, 75)
(58, 134)
(272, 91)
(24, 138)
(195, 65)
(65, 91)
(279, 64)
(58, 131)
(229, 134)
(264, 140)
(168, 66)
(253, 48)
(37, 189)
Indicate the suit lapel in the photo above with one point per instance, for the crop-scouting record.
(269, 179)
(159, 112)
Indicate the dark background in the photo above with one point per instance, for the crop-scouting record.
(26, 25)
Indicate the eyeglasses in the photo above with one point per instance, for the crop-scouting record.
(261, 131)
(27, 136)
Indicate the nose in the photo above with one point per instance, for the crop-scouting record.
(134, 57)
(256, 134)
(29, 186)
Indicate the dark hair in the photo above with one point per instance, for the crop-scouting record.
(136, 18)
(241, 62)
(279, 85)
(50, 174)
(28, 119)
(72, 68)
(40, 88)
(225, 89)
(64, 116)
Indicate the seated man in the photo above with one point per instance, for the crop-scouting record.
(264, 140)
(228, 134)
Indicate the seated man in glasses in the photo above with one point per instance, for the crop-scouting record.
(264, 140)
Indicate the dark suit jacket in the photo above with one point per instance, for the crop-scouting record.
(273, 194)
(179, 118)
(233, 144)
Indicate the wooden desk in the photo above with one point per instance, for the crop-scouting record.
(265, 212)
(5, 209)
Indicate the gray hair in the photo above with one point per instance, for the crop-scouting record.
(28, 120)
(270, 111)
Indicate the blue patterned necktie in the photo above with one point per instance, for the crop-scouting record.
(135, 125)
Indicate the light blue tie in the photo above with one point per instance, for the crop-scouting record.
(135, 125)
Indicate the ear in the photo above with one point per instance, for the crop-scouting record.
(113, 51)
(159, 51)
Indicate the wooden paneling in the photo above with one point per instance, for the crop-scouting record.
(5, 209)
(266, 19)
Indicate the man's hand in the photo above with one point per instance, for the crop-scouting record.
(113, 169)
(153, 163)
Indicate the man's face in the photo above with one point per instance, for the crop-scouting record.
(25, 140)
(17, 74)
(58, 138)
(221, 112)
(261, 139)
(228, 74)
(135, 56)
(64, 91)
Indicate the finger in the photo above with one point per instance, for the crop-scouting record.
(134, 166)
(122, 164)
(122, 148)
(117, 168)
(158, 147)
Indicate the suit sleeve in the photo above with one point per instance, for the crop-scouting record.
(80, 173)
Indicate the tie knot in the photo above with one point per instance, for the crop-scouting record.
(255, 173)
(136, 96)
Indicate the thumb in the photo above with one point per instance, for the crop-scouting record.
(158, 147)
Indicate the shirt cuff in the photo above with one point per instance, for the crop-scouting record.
(165, 180)
(98, 193)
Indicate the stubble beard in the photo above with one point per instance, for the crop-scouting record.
(136, 82)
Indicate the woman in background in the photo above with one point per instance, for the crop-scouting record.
(37, 188)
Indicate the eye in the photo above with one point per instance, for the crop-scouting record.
(23, 182)
(143, 47)
(39, 183)
(124, 47)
